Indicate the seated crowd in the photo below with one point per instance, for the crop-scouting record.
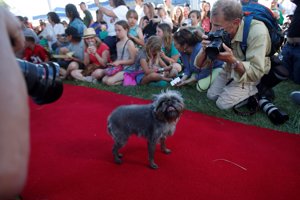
(146, 45)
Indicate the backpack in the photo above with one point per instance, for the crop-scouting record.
(254, 10)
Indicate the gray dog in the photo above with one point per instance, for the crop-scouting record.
(153, 121)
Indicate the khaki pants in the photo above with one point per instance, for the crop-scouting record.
(227, 95)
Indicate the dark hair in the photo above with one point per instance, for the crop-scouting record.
(20, 18)
(54, 17)
(73, 32)
(72, 12)
(130, 12)
(189, 36)
(119, 3)
(197, 12)
(123, 23)
(29, 39)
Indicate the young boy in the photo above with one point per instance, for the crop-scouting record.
(33, 52)
(195, 17)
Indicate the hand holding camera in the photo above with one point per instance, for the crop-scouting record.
(91, 49)
(215, 46)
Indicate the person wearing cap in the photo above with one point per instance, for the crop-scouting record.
(74, 52)
(96, 57)
(33, 52)
(88, 18)
(28, 30)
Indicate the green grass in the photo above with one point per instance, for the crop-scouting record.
(198, 102)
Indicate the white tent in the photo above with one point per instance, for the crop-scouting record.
(37, 9)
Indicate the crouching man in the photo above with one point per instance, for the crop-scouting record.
(242, 71)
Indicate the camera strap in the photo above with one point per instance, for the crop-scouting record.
(251, 103)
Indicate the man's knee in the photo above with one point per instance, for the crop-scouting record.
(222, 105)
(212, 95)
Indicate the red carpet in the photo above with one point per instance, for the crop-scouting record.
(212, 158)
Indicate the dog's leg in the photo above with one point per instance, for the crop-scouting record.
(163, 146)
(116, 154)
(151, 151)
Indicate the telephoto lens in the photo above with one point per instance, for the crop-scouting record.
(42, 81)
(276, 116)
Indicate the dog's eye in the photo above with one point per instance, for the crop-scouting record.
(175, 100)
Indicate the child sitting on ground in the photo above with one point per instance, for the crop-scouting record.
(148, 61)
(33, 52)
(169, 54)
(73, 53)
(126, 53)
(96, 57)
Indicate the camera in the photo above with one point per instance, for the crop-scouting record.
(187, 22)
(42, 81)
(266, 94)
(263, 99)
(217, 39)
(275, 115)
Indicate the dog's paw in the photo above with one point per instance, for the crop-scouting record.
(166, 151)
(118, 160)
(120, 155)
(153, 166)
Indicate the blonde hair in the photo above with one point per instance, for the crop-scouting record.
(153, 44)
(167, 37)
(97, 44)
(181, 17)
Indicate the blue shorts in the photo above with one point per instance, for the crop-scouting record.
(139, 78)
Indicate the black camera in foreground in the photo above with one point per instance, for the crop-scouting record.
(42, 80)
(217, 39)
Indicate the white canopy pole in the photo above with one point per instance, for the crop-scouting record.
(49, 5)
(195, 4)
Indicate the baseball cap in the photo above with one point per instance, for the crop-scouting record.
(30, 34)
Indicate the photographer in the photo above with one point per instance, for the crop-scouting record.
(242, 72)
(14, 112)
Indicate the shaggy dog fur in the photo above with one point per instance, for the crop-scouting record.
(155, 122)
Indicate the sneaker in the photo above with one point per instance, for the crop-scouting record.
(88, 79)
(295, 97)
(95, 81)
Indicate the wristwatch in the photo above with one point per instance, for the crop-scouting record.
(235, 64)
